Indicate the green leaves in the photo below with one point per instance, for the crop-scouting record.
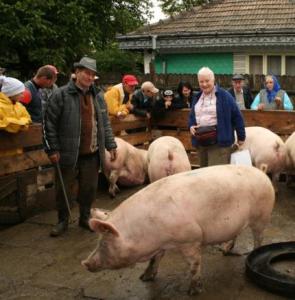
(34, 33)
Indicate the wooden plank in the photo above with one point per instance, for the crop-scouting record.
(183, 135)
(137, 138)
(29, 138)
(8, 188)
(130, 122)
(175, 118)
(27, 160)
(25, 180)
(280, 122)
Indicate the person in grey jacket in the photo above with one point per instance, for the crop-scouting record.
(77, 131)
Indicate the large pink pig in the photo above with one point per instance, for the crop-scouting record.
(129, 168)
(166, 156)
(267, 150)
(185, 211)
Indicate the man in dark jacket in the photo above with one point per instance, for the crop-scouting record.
(241, 93)
(76, 132)
(143, 100)
(45, 78)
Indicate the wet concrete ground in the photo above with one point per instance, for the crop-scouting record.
(36, 266)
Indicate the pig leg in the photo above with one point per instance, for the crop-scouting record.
(113, 188)
(257, 235)
(275, 179)
(152, 269)
(192, 254)
(227, 248)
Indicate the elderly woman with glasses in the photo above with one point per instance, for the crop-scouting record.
(214, 117)
(272, 97)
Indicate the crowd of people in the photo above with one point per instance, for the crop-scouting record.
(77, 128)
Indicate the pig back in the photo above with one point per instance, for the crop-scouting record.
(130, 164)
(266, 148)
(208, 205)
(166, 156)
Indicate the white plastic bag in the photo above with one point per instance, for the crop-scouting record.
(242, 157)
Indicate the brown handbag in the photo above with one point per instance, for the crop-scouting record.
(206, 135)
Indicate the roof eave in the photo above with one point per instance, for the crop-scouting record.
(208, 40)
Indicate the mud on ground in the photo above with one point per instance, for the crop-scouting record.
(34, 266)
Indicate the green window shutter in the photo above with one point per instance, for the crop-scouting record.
(190, 63)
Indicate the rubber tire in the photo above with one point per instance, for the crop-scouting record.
(260, 270)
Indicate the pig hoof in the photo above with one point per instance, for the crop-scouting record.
(195, 289)
(148, 276)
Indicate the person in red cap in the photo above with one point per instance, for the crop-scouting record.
(45, 78)
(118, 98)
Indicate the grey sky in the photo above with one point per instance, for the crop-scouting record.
(157, 12)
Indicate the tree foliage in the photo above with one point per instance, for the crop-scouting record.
(171, 7)
(35, 32)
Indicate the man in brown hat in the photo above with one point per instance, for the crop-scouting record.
(77, 131)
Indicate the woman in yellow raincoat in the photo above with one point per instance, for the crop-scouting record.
(13, 115)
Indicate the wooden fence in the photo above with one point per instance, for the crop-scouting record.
(27, 179)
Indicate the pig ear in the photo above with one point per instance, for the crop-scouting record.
(99, 214)
(102, 227)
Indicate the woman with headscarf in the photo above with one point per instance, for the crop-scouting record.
(272, 97)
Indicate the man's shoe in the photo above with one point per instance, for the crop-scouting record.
(59, 229)
(84, 224)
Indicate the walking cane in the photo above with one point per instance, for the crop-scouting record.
(64, 191)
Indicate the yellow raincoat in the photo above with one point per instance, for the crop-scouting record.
(114, 100)
(13, 118)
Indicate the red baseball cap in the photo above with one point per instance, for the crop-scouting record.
(130, 80)
(26, 97)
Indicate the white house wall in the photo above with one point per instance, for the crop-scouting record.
(239, 63)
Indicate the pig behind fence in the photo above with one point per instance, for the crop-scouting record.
(267, 150)
(166, 156)
(290, 156)
(129, 168)
(185, 211)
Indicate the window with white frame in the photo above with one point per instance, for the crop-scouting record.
(271, 64)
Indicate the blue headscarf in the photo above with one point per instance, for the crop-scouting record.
(276, 87)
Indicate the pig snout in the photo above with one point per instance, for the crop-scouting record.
(90, 266)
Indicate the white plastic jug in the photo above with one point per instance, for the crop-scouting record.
(242, 157)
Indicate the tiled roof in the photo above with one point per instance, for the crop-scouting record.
(229, 17)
